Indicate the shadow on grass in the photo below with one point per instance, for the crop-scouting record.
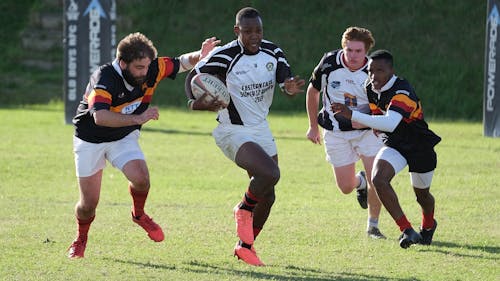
(292, 272)
(143, 264)
(438, 246)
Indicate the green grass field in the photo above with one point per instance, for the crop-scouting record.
(314, 233)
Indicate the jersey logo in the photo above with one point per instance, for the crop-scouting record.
(350, 100)
(121, 95)
(129, 109)
(270, 66)
(335, 84)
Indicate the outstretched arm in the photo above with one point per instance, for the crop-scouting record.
(384, 123)
(188, 60)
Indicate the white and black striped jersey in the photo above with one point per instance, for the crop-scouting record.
(339, 84)
(250, 79)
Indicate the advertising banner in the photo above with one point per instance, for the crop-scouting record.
(491, 105)
(89, 41)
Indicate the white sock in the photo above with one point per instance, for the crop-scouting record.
(362, 182)
(372, 222)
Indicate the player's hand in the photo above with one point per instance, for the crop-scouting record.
(313, 135)
(341, 109)
(293, 85)
(151, 113)
(208, 45)
(206, 102)
(357, 125)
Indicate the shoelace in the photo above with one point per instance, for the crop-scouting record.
(148, 223)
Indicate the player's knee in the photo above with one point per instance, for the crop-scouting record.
(269, 197)
(86, 207)
(424, 198)
(380, 183)
(272, 176)
(345, 188)
(141, 183)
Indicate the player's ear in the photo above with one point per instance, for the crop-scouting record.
(236, 30)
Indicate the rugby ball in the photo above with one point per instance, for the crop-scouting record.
(207, 83)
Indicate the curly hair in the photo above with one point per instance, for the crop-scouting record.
(135, 46)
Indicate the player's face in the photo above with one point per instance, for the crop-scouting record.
(250, 33)
(135, 72)
(354, 54)
(380, 72)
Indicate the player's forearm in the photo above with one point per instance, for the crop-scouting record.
(384, 123)
(107, 118)
(188, 60)
(312, 103)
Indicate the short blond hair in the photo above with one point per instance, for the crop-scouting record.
(354, 33)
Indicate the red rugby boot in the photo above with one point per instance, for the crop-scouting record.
(154, 230)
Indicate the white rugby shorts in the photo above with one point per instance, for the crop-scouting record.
(398, 162)
(91, 157)
(229, 138)
(344, 147)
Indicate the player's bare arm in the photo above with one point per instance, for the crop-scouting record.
(312, 102)
(188, 60)
(113, 119)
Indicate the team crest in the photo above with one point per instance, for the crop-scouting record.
(270, 66)
(335, 84)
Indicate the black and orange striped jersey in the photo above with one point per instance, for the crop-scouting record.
(107, 90)
(412, 133)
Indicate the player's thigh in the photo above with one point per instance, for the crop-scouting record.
(254, 159)
(390, 156)
(230, 138)
(125, 150)
(345, 176)
(90, 189)
(367, 143)
(338, 149)
(136, 171)
(421, 180)
(89, 157)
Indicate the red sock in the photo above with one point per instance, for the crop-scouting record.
(428, 220)
(403, 223)
(139, 200)
(256, 231)
(83, 227)
(249, 201)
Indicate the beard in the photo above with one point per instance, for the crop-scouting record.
(131, 79)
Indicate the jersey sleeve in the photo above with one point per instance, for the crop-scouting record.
(315, 79)
(283, 70)
(217, 63)
(99, 91)
(167, 67)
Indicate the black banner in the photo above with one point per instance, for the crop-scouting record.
(491, 107)
(89, 41)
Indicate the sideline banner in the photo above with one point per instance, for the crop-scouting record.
(491, 104)
(89, 41)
